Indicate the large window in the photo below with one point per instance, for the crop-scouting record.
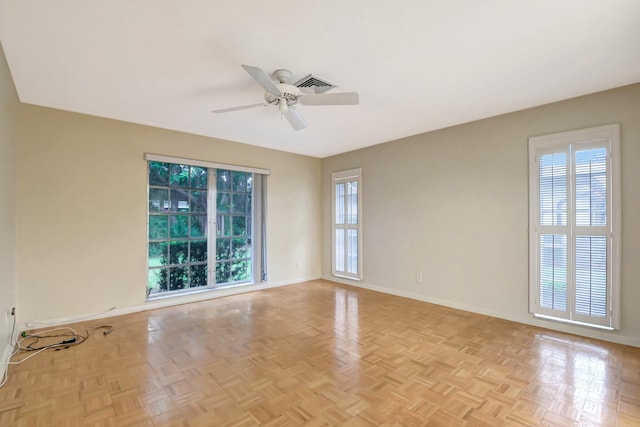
(347, 224)
(205, 225)
(574, 235)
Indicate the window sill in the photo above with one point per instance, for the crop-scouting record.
(573, 322)
(357, 279)
(169, 295)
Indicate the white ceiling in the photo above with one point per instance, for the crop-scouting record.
(418, 65)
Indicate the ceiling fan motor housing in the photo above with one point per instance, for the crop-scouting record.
(290, 93)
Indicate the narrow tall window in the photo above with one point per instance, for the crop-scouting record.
(205, 225)
(347, 224)
(574, 236)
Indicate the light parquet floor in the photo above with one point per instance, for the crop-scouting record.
(322, 354)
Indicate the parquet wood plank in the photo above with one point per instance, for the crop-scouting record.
(321, 354)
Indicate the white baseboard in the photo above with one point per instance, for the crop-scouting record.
(202, 296)
(164, 302)
(528, 319)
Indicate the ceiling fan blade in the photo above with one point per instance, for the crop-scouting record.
(242, 107)
(263, 79)
(295, 119)
(340, 98)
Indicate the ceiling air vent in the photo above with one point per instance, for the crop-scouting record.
(316, 83)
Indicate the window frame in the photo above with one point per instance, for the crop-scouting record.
(573, 141)
(170, 241)
(346, 176)
(258, 215)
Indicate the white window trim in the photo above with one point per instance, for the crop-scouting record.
(259, 255)
(344, 176)
(203, 164)
(541, 143)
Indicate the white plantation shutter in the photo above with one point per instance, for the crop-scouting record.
(575, 227)
(553, 232)
(347, 224)
(553, 273)
(591, 230)
(553, 189)
(591, 276)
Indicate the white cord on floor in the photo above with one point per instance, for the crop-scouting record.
(19, 347)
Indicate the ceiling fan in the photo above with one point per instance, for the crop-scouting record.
(286, 96)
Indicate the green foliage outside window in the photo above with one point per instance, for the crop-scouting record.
(178, 227)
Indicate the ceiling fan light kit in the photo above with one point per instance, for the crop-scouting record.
(283, 105)
(286, 96)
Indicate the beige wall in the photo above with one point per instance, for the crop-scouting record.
(9, 108)
(82, 210)
(453, 205)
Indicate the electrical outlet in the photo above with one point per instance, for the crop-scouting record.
(418, 277)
